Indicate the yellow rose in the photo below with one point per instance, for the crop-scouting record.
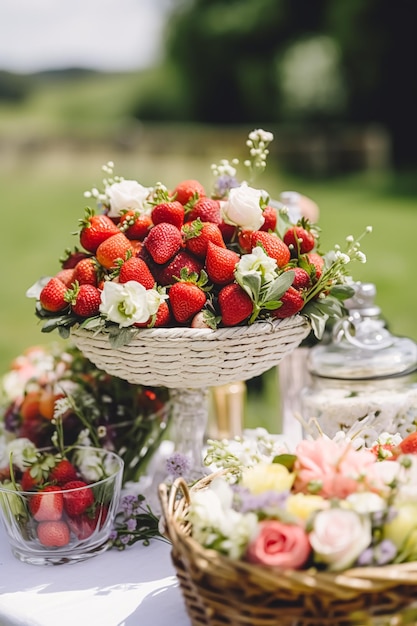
(303, 505)
(267, 477)
(402, 531)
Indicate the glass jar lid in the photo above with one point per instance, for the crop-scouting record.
(361, 346)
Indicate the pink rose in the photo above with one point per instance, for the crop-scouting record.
(279, 545)
(332, 469)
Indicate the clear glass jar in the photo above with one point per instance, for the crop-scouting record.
(364, 380)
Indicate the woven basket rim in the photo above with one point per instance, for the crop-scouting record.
(186, 332)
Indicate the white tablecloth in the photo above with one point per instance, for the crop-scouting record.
(136, 587)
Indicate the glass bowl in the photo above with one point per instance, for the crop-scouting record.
(65, 525)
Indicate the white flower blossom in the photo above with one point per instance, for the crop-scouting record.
(129, 303)
(243, 207)
(22, 451)
(257, 262)
(127, 195)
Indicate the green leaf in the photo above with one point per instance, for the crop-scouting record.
(287, 460)
(251, 283)
(318, 324)
(119, 337)
(342, 292)
(276, 289)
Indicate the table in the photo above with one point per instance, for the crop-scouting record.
(134, 587)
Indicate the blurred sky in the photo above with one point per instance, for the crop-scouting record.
(107, 35)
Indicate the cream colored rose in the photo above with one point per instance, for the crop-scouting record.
(267, 477)
(128, 303)
(339, 536)
(242, 208)
(302, 506)
(127, 195)
(402, 531)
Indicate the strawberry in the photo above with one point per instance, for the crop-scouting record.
(135, 225)
(409, 444)
(228, 231)
(235, 304)
(187, 189)
(317, 262)
(207, 209)
(86, 272)
(187, 296)
(78, 497)
(95, 229)
(66, 276)
(162, 318)
(114, 247)
(63, 472)
(53, 534)
(29, 482)
(292, 303)
(197, 234)
(220, 264)
(85, 300)
(302, 278)
(84, 525)
(52, 296)
(245, 241)
(172, 271)
(273, 246)
(163, 242)
(299, 239)
(136, 269)
(270, 216)
(171, 212)
(71, 258)
(47, 504)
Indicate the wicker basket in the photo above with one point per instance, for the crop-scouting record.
(221, 592)
(195, 358)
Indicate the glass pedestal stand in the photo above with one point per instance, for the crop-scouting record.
(189, 422)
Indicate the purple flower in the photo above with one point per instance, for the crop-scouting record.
(246, 501)
(223, 184)
(177, 465)
(131, 524)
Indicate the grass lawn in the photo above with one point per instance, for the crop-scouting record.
(42, 200)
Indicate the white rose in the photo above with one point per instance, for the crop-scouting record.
(126, 304)
(22, 450)
(257, 261)
(127, 195)
(242, 208)
(339, 536)
(89, 463)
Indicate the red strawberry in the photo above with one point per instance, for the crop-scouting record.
(95, 229)
(78, 497)
(171, 212)
(86, 272)
(245, 241)
(113, 248)
(29, 482)
(292, 303)
(409, 444)
(273, 246)
(53, 534)
(63, 472)
(197, 235)
(299, 239)
(136, 269)
(186, 299)
(302, 278)
(228, 231)
(235, 305)
(52, 296)
(66, 276)
(317, 262)
(71, 258)
(171, 272)
(84, 525)
(164, 240)
(47, 504)
(207, 209)
(85, 300)
(162, 318)
(186, 189)
(220, 264)
(270, 216)
(135, 225)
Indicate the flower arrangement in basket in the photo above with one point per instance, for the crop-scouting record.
(192, 267)
(46, 385)
(324, 535)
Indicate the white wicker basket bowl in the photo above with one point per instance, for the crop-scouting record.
(195, 358)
